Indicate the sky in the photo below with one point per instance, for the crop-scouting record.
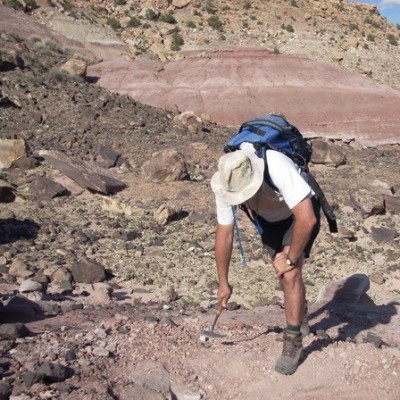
(387, 8)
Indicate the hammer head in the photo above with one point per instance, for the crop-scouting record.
(210, 331)
(211, 334)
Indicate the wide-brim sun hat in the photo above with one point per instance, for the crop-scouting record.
(240, 174)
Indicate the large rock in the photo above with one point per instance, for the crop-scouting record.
(75, 67)
(165, 166)
(348, 290)
(10, 151)
(327, 153)
(84, 173)
(88, 271)
(13, 331)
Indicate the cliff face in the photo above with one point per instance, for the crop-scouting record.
(352, 36)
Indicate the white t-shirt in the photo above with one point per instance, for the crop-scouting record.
(271, 205)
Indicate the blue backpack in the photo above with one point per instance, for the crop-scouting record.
(274, 132)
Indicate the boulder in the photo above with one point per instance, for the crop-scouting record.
(347, 290)
(10, 151)
(88, 271)
(327, 153)
(75, 67)
(165, 166)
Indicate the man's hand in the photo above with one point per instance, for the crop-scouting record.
(223, 295)
(280, 265)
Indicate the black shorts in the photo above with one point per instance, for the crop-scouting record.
(276, 235)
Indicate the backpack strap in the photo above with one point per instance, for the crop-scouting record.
(252, 217)
(326, 208)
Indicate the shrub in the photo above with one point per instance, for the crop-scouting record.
(114, 23)
(215, 23)
(245, 24)
(177, 41)
(247, 5)
(120, 2)
(168, 18)
(15, 4)
(67, 6)
(353, 26)
(190, 24)
(392, 39)
(276, 50)
(371, 37)
(151, 15)
(293, 3)
(31, 5)
(289, 28)
(134, 22)
(63, 76)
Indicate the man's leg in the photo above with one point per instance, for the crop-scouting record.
(294, 296)
(294, 293)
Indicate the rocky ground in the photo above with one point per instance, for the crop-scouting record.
(105, 295)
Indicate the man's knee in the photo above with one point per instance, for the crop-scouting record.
(292, 278)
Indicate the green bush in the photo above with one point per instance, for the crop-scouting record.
(215, 23)
(177, 41)
(247, 5)
(120, 2)
(392, 39)
(15, 4)
(151, 15)
(371, 37)
(190, 24)
(276, 50)
(31, 5)
(63, 76)
(67, 6)
(289, 28)
(245, 24)
(134, 22)
(114, 23)
(168, 18)
(353, 26)
(293, 3)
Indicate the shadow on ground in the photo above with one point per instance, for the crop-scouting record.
(13, 229)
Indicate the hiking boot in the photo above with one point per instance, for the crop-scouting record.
(305, 328)
(288, 362)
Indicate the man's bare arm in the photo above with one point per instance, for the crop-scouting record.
(223, 252)
(304, 222)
